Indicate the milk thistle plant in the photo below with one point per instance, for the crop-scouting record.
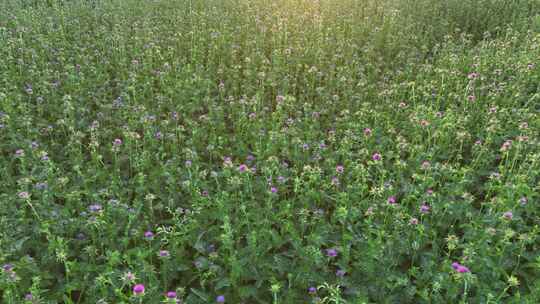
(289, 151)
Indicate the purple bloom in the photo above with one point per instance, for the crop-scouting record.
(220, 299)
(376, 157)
(413, 221)
(460, 268)
(281, 179)
(243, 168)
(367, 132)
(129, 276)
(188, 163)
(508, 215)
(41, 186)
(138, 289)
(340, 273)
(149, 235)
(472, 75)
(19, 153)
(158, 135)
(424, 208)
(164, 253)
(339, 169)
(117, 142)
(95, 208)
(171, 294)
(7, 267)
(331, 252)
(24, 195)
(523, 201)
(227, 161)
(28, 297)
(312, 290)
(392, 200)
(273, 189)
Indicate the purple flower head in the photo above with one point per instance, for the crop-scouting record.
(472, 75)
(281, 179)
(95, 208)
(424, 208)
(117, 142)
(19, 153)
(149, 235)
(28, 297)
(367, 132)
(227, 161)
(312, 290)
(376, 157)
(138, 289)
(331, 252)
(322, 146)
(340, 273)
(24, 195)
(252, 115)
(523, 201)
(429, 191)
(340, 169)
(460, 268)
(7, 267)
(305, 146)
(164, 253)
(243, 168)
(250, 158)
(273, 189)
(391, 200)
(508, 215)
(41, 186)
(188, 163)
(220, 299)
(171, 294)
(158, 135)
(413, 221)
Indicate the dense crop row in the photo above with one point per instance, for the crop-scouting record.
(284, 151)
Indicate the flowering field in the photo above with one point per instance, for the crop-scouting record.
(251, 151)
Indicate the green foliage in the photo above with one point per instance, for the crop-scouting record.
(255, 149)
